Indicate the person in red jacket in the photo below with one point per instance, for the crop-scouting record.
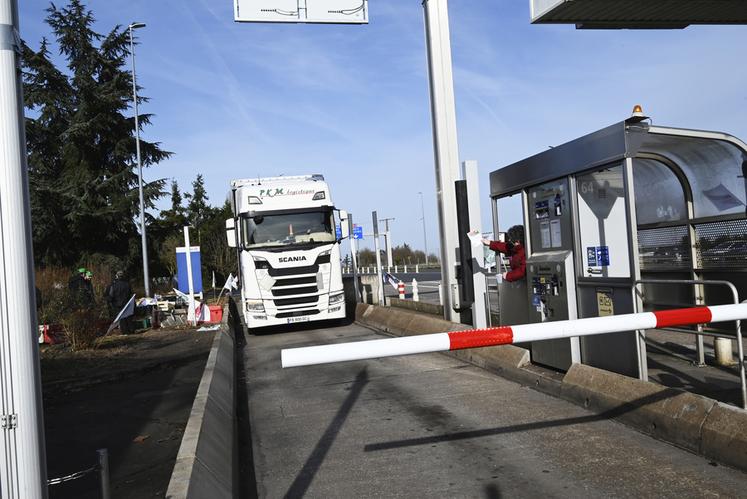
(514, 249)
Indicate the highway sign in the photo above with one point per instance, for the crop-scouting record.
(357, 232)
(302, 11)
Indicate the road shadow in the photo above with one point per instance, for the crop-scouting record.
(539, 425)
(304, 478)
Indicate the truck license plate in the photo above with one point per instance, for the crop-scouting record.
(291, 320)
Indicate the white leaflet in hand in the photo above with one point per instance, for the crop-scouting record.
(475, 237)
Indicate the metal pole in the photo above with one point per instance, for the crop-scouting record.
(191, 311)
(471, 176)
(425, 235)
(446, 151)
(388, 242)
(354, 258)
(378, 259)
(143, 239)
(103, 455)
(23, 472)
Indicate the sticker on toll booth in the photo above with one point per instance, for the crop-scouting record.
(537, 303)
(605, 306)
(603, 256)
(292, 320)
(591, 256)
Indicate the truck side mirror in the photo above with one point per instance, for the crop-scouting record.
(344, 228)
(231, 232)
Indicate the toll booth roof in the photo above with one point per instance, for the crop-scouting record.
(714, 164)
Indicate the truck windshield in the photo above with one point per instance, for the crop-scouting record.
(284, 229)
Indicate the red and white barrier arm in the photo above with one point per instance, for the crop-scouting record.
(505, 335)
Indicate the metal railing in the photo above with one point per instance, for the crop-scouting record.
(700, 332)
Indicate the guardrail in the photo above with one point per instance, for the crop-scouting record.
(409, 268)
(700, 331)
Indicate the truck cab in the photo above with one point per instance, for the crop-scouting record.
(284, 230)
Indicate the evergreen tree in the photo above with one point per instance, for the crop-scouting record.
(198, 209)
(172, 220)
(81, 143)
(49, 94)
(176, 198)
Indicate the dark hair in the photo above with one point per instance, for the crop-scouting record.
(516, 233)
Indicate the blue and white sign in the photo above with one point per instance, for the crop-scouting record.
(338, 231)
(598, 256)
(603, 256)
(357, 232)
(591, 256)
(181, 269)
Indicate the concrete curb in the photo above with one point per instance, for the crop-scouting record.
(204, 466)
(664, 413)
(693, 422)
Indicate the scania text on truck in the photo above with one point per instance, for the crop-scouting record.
(288, 249)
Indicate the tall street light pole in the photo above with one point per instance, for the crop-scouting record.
(146, 278)
(425, 237)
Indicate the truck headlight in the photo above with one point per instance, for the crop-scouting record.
(255, 306)
(338, 298)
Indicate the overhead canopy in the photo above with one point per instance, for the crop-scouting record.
(615, 14)
(713, 164)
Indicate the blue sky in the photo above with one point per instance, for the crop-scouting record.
(351, 102)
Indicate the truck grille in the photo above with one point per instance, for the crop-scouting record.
(303, 284)
(311, 269)
(294, 291)
(283, 302)
(295, 281)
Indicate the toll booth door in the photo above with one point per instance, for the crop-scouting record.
(605, 281)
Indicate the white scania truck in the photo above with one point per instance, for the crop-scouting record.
(288, 249)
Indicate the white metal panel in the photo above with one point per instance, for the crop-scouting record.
(445, 144)
(602, 222)
(302, 11)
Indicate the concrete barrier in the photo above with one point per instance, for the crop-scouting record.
(206, 465)
(418, 306)
(699, 424)
(402, 322)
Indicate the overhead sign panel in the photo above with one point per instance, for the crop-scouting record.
(644, 14)
(302, 11)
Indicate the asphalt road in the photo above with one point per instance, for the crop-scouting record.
(432, 426)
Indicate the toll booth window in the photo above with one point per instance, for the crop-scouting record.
(659, 195)
(715, 169)
(603, 223)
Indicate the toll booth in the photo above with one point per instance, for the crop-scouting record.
(608, 210)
